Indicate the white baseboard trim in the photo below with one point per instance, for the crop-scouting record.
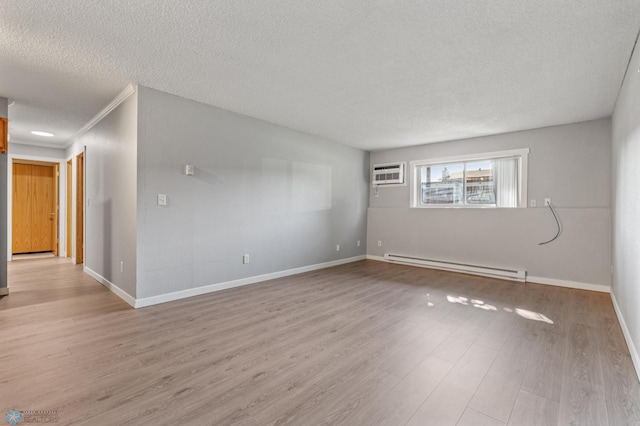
(111, 286)
(538, 280)
(378, 258)
(635, 358)
(4, 291)
(569, 284)
(183, 294)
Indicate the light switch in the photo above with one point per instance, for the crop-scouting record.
(162, 199)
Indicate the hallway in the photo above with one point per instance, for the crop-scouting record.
(56, 289)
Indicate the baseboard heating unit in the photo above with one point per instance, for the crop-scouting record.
(505, 274)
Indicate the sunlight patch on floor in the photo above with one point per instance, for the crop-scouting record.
(480, 304)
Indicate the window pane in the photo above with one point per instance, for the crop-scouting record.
(442, 184)
(480, 183)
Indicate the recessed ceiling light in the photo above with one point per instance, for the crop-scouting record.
(41, 133)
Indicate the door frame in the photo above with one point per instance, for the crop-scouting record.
(61, 196)
(80, 210)
(55, 197)
(56, 209)
(68, 209)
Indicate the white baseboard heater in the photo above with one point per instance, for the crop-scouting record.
(505, 274)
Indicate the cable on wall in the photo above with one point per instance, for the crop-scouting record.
(555, 216)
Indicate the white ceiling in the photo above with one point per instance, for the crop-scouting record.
(372, 74)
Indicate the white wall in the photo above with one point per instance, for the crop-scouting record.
(570, 164)
(626, 206)
(284, 197)
(110, 195)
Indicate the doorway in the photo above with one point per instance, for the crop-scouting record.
(34, 207)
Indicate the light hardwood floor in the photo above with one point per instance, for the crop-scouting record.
(359, 344)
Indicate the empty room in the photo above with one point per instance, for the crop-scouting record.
(320, 213)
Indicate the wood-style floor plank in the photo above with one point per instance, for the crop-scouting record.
(582, 401)
(621, 391)
(359, 344)
(471, 417)
(534, 410)
(447, 402)
(402, 401)
(499, 389)
(544, 376)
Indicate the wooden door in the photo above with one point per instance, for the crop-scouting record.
(80, 208)
(21, 209)
(34, 208)
(42, 212)
(68, 242)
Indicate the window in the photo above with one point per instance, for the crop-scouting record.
(496, 179)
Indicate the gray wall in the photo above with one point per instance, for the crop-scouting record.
(284, 197)
(4, 112)
(110, 195)
(626, 205)
(570, 164)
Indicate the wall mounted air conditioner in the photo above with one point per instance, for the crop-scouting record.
(388, 174)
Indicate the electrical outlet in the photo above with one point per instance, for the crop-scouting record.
(532, 203)
(337, 247)
(379, 243)
(121, 266)
(162, 199)
(245, 259)
(547, 201)
(358, 243)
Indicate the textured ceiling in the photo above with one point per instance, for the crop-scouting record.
(372, 74)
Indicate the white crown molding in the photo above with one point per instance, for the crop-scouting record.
(122, 96)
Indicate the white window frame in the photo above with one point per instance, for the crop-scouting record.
(522, 154)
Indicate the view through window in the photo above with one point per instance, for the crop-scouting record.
(493, 182)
